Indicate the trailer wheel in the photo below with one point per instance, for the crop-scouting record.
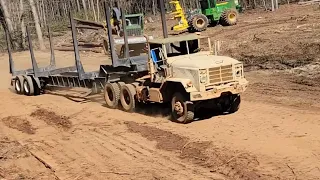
(37, 86)
(112, 95)
(180, 112)
(18, 84)
(28, 86)
(127, 97)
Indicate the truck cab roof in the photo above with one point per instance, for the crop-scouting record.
(201, 60)
(175, 39)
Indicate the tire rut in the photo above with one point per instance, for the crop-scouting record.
(147, 154)
(74, 162)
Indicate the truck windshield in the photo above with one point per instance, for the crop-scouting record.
(193, 46)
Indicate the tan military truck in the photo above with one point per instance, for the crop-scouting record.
(189, 78)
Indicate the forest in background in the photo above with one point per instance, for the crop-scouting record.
(37, 14)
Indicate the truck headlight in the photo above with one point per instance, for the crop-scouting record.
(238, 71)
(203, 78)
(203, 75)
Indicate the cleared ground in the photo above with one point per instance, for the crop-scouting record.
(274, 135)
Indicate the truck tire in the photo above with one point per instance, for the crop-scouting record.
(229, 17)
(28, 86)
(235, 103)
(18, 84)
(231, 103)
(112, 95)
(199, 22)
(127, 97)
(179, 109)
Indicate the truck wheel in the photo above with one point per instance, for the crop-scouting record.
(28, 86)
(229, 17)
(180, 111)
(127, 97)
(120, 84)
(199, 22)
(112, 95)
(18, 84)
(235, 103)
(231, 104)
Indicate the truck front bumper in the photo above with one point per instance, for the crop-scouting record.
(216, 91)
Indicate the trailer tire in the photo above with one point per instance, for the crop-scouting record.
(18, 84)
(112, 95)
(180, 112)
(28, 86)
(37, 86)
(127, 97)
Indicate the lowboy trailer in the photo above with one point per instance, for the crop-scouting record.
(33, 81)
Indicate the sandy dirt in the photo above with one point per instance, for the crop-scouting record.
(274, 135)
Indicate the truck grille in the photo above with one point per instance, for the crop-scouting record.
(220, 74)
(135, 32)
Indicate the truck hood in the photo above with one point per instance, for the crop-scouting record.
(200, 60)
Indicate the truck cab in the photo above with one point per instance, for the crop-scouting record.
(182, 72)
(192, 76)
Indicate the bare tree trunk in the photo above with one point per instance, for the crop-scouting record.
(89, 4)
(6, 15)
(85, 9)
(23, 27)
(37, 24)
(78, 5)
(44, 14)
(153, 7)
(94, 11)
(98, 9)
(39, 11)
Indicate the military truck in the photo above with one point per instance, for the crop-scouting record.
(188, 80)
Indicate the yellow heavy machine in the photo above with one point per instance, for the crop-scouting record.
(180, 16)
(198, 22)
(210, 12)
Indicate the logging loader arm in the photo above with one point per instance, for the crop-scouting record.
(180, 16)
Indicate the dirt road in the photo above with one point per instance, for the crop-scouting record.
(274, 135)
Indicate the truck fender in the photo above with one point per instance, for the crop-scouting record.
(186, 84)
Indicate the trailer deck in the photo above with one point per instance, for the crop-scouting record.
(34, 80)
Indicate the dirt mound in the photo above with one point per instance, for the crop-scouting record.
(234, 165)
(19, 124)
(51, 118)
